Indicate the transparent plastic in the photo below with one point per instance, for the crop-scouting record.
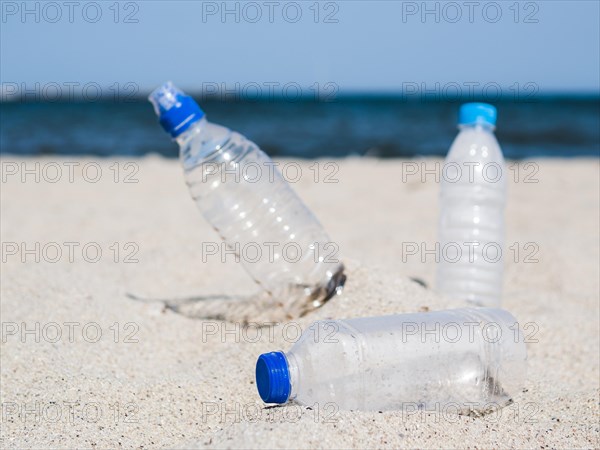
(471, 224)
(242, 194)
(473, 358)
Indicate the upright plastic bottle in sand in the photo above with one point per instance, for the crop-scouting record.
(473, 359)
(243, 196)
(472, 200)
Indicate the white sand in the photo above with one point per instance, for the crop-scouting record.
(179, 387)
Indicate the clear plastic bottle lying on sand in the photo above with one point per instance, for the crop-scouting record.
(473, 195)
(474, 358)
(243, 196)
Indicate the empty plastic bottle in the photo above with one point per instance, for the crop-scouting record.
(242, 194)
(473, 358)
(472, 200)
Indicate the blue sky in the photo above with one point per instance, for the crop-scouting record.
(358, 46)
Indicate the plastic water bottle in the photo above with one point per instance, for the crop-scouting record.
(243, 196)
(473, 196)
(473, 358)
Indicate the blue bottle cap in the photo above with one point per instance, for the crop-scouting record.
(472, 113)
(176, 110)
(273, 377)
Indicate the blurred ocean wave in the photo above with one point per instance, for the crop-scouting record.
(376, 127)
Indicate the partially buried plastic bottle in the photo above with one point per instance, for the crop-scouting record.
(472, 200)
(473, 358)
(243, 196)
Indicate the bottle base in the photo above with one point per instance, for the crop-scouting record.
(325, 292)
(297, 300)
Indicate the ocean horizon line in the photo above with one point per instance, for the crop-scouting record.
(347, 97)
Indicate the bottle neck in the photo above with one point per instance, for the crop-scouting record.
(294, 375)
(479, 126)
(194, 129)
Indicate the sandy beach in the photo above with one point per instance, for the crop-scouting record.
(102, 343)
